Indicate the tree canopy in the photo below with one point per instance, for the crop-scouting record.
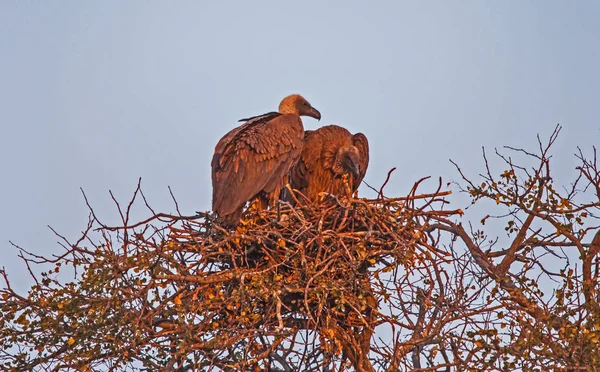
(508, 282)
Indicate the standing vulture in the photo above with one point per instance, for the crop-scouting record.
(329, 153)
(255, 158)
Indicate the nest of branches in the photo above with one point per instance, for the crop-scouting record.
(297, 267)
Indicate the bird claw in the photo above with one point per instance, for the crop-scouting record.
(278, 219)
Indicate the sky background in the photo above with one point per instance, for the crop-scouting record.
(95, 94)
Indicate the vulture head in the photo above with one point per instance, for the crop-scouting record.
(346, 160)
(297, 105)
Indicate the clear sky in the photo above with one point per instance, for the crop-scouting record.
(96, 94)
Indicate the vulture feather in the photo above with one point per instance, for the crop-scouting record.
(254, 159)
(330, 152)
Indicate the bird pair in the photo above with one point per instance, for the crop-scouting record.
(258, 158)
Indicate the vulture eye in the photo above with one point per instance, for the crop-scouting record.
(306, 103)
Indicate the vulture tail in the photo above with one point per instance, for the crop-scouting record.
(230, 221)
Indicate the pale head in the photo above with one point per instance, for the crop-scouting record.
(295, 104)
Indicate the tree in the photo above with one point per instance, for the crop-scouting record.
(341, 284)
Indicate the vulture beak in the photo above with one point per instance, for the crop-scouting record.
(314, 113)
(355, 170)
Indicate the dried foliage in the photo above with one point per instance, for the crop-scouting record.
(342, 284)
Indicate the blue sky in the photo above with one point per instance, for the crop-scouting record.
(97, 94)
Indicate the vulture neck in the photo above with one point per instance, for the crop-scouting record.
(288, 109)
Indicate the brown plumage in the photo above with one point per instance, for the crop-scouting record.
(329, 153)
(253, 159)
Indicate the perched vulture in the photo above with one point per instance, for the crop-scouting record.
(254, 159)
(330, 152)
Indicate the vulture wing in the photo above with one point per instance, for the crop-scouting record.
(302, 174)
(268, 115)
(362, 144)
(253, 158)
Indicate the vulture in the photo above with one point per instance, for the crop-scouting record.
(255, 158)
(330, 152)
